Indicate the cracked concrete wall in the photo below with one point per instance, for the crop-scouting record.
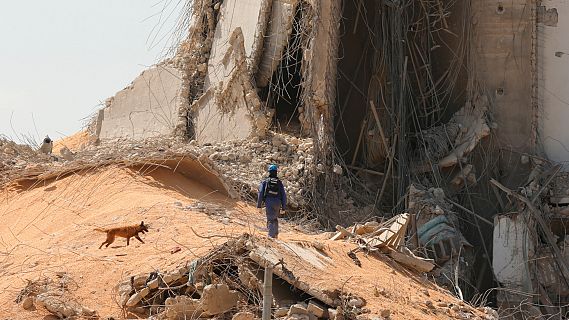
(503, 67)
(146, 108)
(279, 31)
(553, 59)
(230, 108)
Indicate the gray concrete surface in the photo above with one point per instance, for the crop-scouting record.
(229, 108)
(146, 108)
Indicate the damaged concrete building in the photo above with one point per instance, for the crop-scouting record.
(407, 106)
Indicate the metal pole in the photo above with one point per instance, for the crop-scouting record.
(267, 293)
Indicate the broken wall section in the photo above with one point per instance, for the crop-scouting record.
(146, 108)
(230, 108)
(553, 87)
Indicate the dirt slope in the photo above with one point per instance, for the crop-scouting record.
(48, 228)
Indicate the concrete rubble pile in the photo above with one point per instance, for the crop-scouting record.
(15, 156)
(228, 281)
(241, 164)
(531, 247)
(55, 296)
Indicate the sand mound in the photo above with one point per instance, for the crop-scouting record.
(47, 231)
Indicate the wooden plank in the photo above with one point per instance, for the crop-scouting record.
(412, 261)
(381, 132)
(364, 123)
(338, 236)
(393, 235)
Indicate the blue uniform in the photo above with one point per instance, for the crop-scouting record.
(273, 206)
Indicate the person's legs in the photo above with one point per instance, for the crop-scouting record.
(272, 219)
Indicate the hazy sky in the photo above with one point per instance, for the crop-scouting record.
(60, 59)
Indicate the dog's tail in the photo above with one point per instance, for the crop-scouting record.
(100, 230)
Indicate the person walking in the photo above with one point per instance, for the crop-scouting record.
(272, 193)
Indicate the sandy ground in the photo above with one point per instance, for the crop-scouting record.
(73, 142)
(49, 228)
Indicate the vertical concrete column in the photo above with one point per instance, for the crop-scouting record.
(502, 62)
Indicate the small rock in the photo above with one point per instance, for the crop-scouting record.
(332, 313)
(316, 309)
(463, 316)
(217, 299)
(178, 204)
(337, 169)
(281, 312)
(297, 309)
(442, 304)
(426, 292)
(355, 303)
(385, 313)
(430, 304)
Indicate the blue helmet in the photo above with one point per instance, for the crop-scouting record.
(273, 167)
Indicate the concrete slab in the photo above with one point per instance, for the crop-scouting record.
(276, 39)
(553, 87)
(251, 17)
(146, 108)
(230, 109)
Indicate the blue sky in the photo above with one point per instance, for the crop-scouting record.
(60, 59)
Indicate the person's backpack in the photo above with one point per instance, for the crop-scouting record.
(272, 188)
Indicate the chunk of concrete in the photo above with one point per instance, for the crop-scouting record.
(146, 108)
(137, 297)
(298, 308)
(182, 307)
(243, 316)
(125, 291)
(60, 306)
(317, 309)
(230, 108)
(217, 299)
(281, 312)
(250, 16)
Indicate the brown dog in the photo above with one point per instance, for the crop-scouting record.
(124, 232)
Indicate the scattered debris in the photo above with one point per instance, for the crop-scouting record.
(386, 237)
(54, 296)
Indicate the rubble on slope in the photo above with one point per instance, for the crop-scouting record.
(229, 279)
(55, 296)
(242, 164)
